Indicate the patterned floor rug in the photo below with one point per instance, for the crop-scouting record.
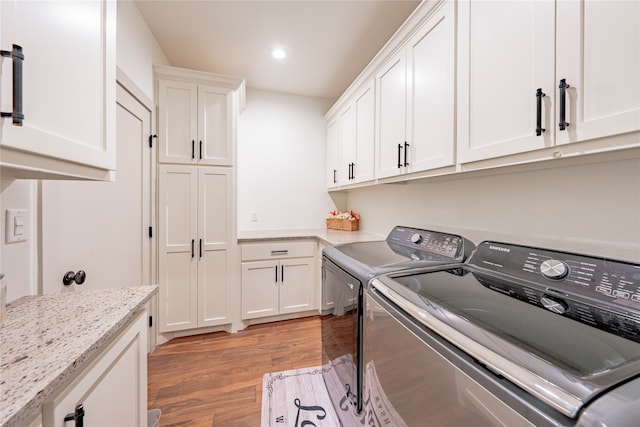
(299, 398)
(295, 398)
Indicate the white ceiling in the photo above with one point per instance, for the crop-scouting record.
(328, 43)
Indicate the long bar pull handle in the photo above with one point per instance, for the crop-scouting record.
(282, 273)
(335, 171)
(200, 150)
(280, 252)
(77, 416)
(353, 171)
(399, 149)
(406, 150)
(562, 122)
(193, 248)
(193, 149)
(18, 58)
(539, 96)
(200, 248)
(276, 274)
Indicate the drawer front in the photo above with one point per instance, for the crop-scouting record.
(278, 250)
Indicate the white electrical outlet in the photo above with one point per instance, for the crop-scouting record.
(254, 216)
(16, 225)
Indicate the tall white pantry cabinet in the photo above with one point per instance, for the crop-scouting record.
(197, 126)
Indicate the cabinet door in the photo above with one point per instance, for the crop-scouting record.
(215, 240)
(177, 122)
(69, 85)
(347, 143)
(215, 130)
(365, 129)
(260, 282)
(505, 53)
(598, 54)
(430, 76)
(113, 389)
(391, 123)
(332, 153)
(297, 285)
(177, 212)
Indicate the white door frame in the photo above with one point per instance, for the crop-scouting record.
(128, 88)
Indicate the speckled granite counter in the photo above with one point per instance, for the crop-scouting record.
(328, 237)
(47, 339)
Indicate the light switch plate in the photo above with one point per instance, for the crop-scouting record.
(16, 226)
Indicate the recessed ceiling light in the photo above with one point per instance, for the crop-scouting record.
(278, 53)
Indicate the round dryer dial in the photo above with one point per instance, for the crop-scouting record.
(554, 269)
(416, 238)
(554, 304)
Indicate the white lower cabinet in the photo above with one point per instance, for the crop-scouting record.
(196, 242)
(278, 278)
(112, 389)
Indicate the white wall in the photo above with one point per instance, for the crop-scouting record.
(281, 155)
(592, 209)
(18, 260)
(137, 48)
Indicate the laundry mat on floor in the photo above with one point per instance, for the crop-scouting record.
(299, 397)
(295, 398)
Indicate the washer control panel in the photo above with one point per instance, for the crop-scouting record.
(601, 292)
(430, 242)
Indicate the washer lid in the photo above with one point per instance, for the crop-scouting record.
(560, 361)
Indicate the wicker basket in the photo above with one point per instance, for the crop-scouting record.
(343, 224)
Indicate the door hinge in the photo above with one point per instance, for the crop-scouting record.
(150, 232)
(151, 140)
(151, 321)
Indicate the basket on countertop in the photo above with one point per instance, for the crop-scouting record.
(346, 221)
(343, 224)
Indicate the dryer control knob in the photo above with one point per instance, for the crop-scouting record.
(554, 304)
(416, 238)
(554, 269)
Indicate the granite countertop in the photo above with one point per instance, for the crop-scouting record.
(328, 237)
(47, 339)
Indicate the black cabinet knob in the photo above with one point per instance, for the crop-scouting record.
(70, 277)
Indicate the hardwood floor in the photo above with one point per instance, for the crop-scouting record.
(216, 379)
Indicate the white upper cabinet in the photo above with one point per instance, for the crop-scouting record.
(346, 144)
(177, 121)
(68, 89)
(332, 153)
(196, 116)
(356, 141)
(194, 123)
(363, 167)
(416, 100)
(598, 56)
(391, 90)
(431, 86)
(505, 54)
(509, 52)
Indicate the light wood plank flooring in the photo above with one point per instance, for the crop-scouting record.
(216, 379)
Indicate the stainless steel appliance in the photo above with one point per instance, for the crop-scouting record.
(346, 271)
(515, 336)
